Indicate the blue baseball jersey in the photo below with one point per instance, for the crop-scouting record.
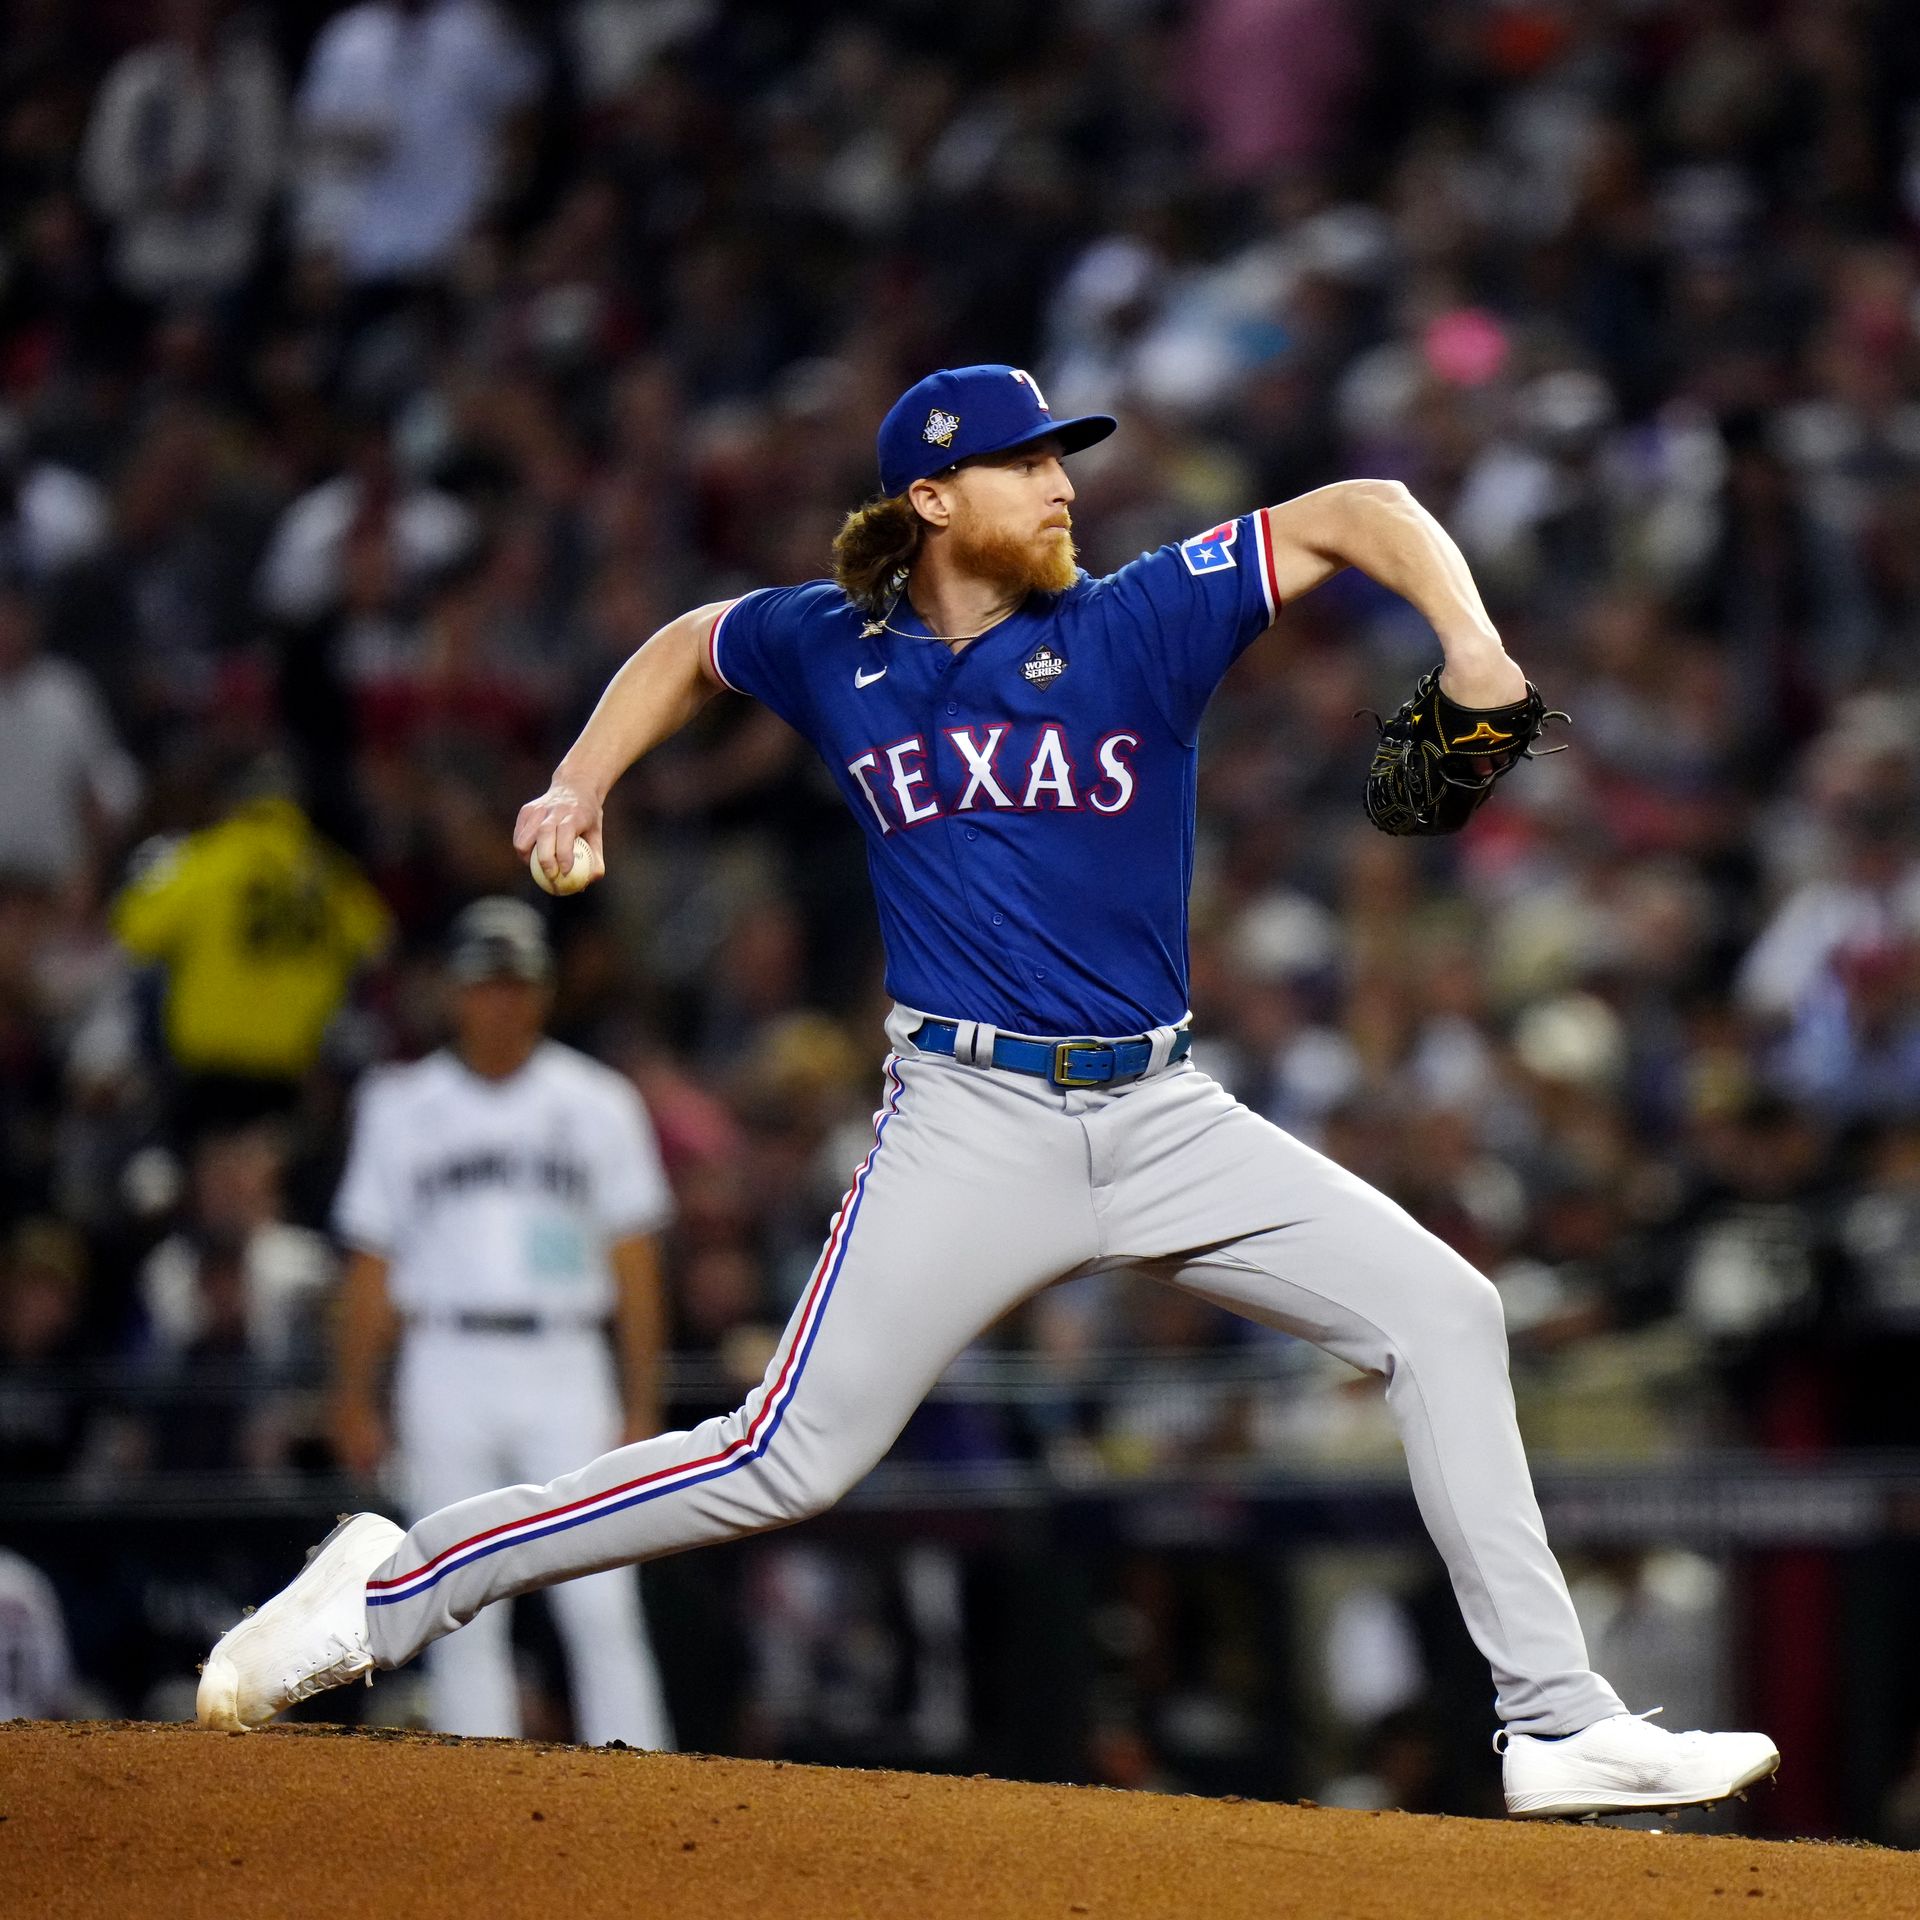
(1028, 802)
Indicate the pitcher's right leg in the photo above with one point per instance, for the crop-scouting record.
(975, 1195)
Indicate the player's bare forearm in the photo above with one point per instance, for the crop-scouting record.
(649, 700)
(639, 1330)
(1380, 528)
(363, 1338)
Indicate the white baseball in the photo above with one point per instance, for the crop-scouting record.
(585, 868)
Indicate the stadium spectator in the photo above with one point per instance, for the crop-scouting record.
(50, 515)
(183, 155)
(403, 111)
(237, 1221)
(363, 539)
(43, 1410)
(66, 783)
(158, 613)
(1879, 1230)
(260, 927)
(231, 1304)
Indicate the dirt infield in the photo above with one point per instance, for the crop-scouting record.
(113, 1819)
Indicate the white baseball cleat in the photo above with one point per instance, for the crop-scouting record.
(310, 1636)
(1624, 1764)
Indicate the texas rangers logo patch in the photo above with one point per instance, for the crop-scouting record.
(1043, 666)
(940, 428)
(1211, 552)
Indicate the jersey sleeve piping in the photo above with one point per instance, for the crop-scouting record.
(713, 646)
(1269, 584)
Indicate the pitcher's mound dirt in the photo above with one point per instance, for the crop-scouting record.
(120, 1820)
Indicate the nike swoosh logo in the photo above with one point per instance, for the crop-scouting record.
(867, 679)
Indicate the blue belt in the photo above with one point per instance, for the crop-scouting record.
(1066, 1063)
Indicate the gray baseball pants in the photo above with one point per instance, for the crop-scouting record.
(982, 1187)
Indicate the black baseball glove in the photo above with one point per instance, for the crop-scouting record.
(1436, 762)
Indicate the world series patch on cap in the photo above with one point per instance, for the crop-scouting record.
(960, 413)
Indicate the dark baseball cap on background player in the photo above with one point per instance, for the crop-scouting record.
(962, 412)
(499, 939)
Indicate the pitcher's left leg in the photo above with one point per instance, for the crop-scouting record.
(1424, 1319)
(1344, 1267)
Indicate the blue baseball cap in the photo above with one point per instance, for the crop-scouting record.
(960, 412)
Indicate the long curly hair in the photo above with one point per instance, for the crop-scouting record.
(874, 548)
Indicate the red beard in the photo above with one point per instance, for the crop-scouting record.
(1044, 562)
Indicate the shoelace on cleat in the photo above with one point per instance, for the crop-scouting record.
(349, 1666)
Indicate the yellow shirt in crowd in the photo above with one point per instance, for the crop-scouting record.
(260, 923)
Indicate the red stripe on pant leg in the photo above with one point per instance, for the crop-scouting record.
(822, 1270)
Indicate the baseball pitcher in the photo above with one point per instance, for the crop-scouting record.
(1019, 744)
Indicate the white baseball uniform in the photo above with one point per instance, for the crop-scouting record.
(36, 1669)
(494, 1202)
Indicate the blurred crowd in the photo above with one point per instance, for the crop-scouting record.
(373, 379)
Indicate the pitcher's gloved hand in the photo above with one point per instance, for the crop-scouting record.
(1437, 761)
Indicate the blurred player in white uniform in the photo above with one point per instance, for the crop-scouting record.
(36, 1671)
(500, 1202)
